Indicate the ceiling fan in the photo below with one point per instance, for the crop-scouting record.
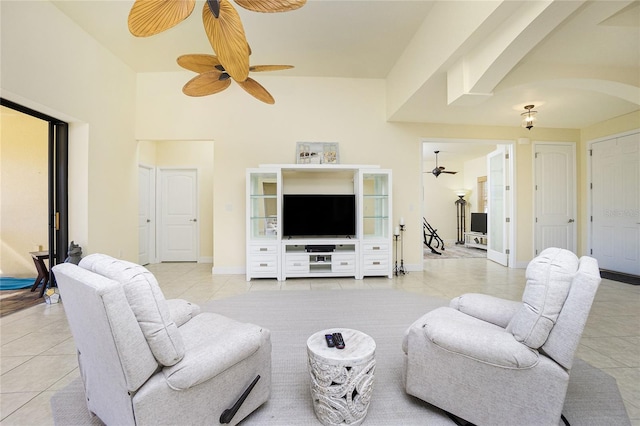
(438, 170)
(213, 77)
(221, 23)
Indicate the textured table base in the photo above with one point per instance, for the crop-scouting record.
(341, 389)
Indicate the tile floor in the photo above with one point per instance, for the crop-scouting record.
(37, 354)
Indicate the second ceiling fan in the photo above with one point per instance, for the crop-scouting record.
(438, 170)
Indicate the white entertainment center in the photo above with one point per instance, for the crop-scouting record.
(271, 254)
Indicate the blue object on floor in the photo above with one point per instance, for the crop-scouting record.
(10, 283)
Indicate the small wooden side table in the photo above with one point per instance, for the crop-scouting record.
(341, 379)
(43, 272)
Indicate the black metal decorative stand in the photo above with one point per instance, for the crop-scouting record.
(400, 270)
(461, 206)
(395, 268)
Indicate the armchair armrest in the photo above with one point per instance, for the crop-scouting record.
(487, 308)
(182, 311)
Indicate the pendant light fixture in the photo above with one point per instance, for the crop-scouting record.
(529, 117)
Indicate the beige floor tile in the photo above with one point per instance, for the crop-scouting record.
(8, 363)
(39, 373)
(37, 411)
(12, 401)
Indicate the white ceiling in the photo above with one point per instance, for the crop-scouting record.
(577, 61)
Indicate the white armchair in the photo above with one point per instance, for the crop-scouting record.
(146, 360)
(491, 361)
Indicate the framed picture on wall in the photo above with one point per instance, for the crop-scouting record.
(317, 153)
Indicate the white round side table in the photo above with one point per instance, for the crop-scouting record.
(341, 379)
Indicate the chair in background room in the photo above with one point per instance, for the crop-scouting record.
(493, 361)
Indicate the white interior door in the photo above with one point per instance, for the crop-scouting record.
(498, 206)
(555, 197)
(146, 209)
(615, 197)
(179, 215)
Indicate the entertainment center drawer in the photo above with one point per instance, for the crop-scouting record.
(375, 263)
(264, 264)
(297, 263)
(371, 248)
(263, 249)
(343, 263)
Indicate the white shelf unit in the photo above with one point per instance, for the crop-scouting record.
(264, 199)
(368, 253)
(298, 262)
(476, 240)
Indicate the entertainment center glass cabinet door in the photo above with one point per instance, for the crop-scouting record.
(264, 192)
(375, 228)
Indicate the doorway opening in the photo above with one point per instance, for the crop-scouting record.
(468, 158)
(40, 161)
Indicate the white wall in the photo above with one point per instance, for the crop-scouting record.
(473, 169)
(51, 65)
(249, 133)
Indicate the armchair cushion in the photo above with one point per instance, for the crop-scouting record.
(213, 343)
(549, 277)
(147, 303)
(481, 341)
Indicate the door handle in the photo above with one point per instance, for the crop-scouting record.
(571, 220)
(148, 220)
(193, 220)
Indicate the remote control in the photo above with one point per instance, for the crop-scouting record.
(330, 341)
(339, 341)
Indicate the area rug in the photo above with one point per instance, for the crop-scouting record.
(292, 316)
(11, 283)
(454, 251)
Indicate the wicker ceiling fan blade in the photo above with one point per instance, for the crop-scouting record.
(268, 6)
(150, 17)
(199, 63)
(206, 84)
(227, 39)
(257, 91)
(260, 68)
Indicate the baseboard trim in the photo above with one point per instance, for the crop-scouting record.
(230, 270)
(620, 277)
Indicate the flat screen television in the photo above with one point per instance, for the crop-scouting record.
(479, 222)
(318, 215)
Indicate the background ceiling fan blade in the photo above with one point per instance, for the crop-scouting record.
(451, 173)
(227, 38)
(150, 17)
(257, 91)
(206, 84)
(199, 63)
(260, 68)
(271, 5)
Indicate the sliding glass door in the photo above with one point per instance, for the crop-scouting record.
(58, 161)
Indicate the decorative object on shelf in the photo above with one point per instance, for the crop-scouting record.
(317, 153)
(461, 204)
(213, 78)
(529, 117)
(438, 170)
(398, 235)
(222, 25)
